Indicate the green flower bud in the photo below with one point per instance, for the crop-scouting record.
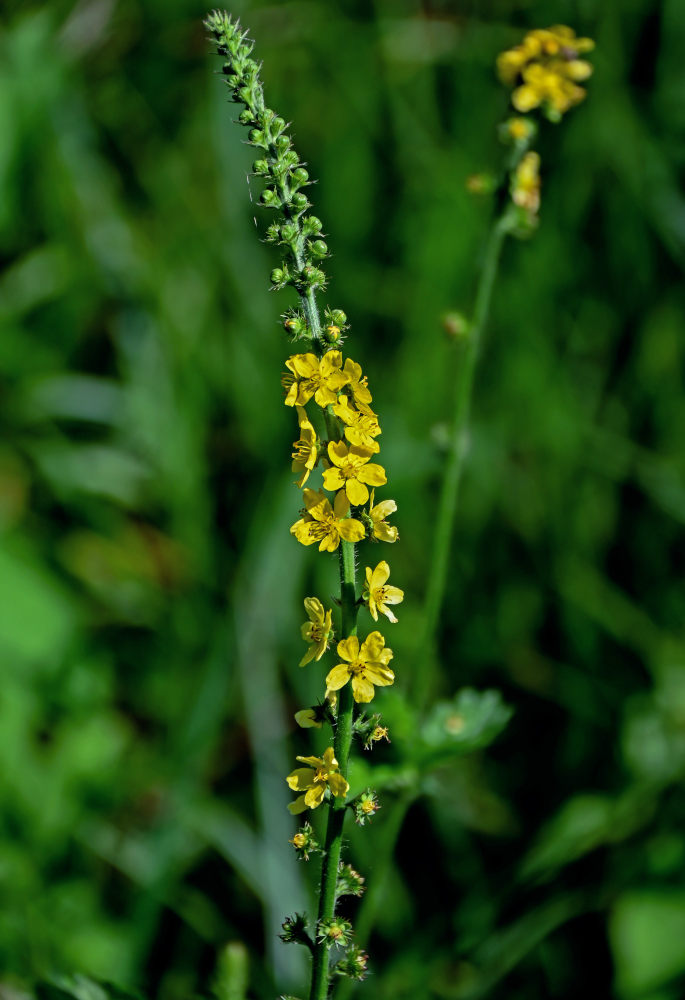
(313, 277)
(280, 277)
(318, 249)
(269, 198)
(261, 167)
(299, 201)
(257, 138)
(290, 159)
(337, 317)
(277, 126)
(299, 177)
(282, 143)
(311, 225)
(246, 117)
(273, 232)
(288, 232)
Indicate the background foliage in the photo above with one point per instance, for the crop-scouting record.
(150, 592)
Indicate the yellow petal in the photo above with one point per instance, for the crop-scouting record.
(362, 689)
(373, 646)
(383, 509)
(357, 493)
(331, 361)
(306, 719)
(393, 595)
(314, 609)
(298, 806)
(337, 451)
(338, 785)
(300, 779)
(329, 758)
(379, 675)
(337, 677)
(332, 480)
(348, 649)
(341, 505)
(314, 796)
(350, 529)
(380, 575)
(525, 98)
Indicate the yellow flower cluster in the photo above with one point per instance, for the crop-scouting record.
(350, 473)
(545, 70)
(342, 392)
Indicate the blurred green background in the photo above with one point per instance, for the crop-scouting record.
(150, 592)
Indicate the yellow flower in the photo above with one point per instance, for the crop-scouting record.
(366, 666)
(306, 453)
(547, 64)
(378, 594)
(525, 184)
(381, 530)
(351, 471)
(317, 630)
(362, 424)
(313, 377)
(357, 383)
(325, 524)
(321, 774)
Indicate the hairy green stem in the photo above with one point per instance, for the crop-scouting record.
(449, 495)
(337, 808)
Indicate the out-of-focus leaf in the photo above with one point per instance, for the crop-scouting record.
(37, 615)
(232, 972)
(584, 823)
(647, 931)
(471, 721)
(82, 988)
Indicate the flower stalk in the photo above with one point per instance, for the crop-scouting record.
(331, 393)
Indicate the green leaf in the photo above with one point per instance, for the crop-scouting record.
(471, 721)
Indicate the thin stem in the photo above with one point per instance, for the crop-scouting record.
(337, 809)
(373, 898)
(449, 495)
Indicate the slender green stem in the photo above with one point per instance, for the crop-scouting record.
(337, 809)
(449, 495)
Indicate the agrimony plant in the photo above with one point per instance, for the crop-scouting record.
(338, 430)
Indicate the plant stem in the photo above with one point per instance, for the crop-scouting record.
(337, 808)
(449, 495)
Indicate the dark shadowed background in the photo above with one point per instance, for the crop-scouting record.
(150, 592)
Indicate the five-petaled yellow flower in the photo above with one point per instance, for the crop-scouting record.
(313, 377)
(325, 524)
(321, 774)
(357, 384)
(361, 424)
(317, 631)
(381, 530)
(366, 666)
(306, 448)
(378, 595)
(351, 471)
